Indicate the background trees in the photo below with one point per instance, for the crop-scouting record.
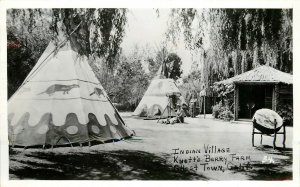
(228, 42)
(92, 32)
(96, 33)
(28, 35)
(222, 42)
(130, 82)
(232, 41)
(172, 66)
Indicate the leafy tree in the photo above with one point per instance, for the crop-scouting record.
(173, 64)
(24, 46)
(17, 71)
(260, 32)
(153, 66)
(131, 82)
(92, 32)
(128, 81)
(229, 42)
(170, 64)
(159, 61)
(232, 41)
(191, 85)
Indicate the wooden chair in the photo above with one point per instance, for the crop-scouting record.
(268, 132)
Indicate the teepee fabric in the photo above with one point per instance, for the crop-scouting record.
(62, 102)
(155, 102)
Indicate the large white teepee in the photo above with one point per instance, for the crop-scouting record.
(159, 99)
(62, 102)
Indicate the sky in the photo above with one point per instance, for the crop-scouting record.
(146, 28)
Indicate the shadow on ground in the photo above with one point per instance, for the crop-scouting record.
(96, 165)
(272, 171)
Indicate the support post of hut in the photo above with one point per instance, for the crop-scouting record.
(284, 136)
(204, 106)
(236, 101)
(275, 97)
(203, 94)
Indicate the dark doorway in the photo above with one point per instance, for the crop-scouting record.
(252, 98)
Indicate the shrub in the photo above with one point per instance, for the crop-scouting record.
(226, 115)
(221, 111)
(225, 93)
(217, 109)
(286, 112)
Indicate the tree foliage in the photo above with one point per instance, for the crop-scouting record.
(232, 41)
(132, 82)
(92, 32)
(228, 42)
(191, 83)
(25, 46)
(127, 83)
(172, 66)
(20, 60)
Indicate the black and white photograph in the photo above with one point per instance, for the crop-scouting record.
(150, 94)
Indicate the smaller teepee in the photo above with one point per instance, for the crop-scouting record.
(160, 99)
(62, 102)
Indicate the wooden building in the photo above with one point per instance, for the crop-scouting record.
(262, 87)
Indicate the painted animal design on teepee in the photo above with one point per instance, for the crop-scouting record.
(59, 88)
(98, 92)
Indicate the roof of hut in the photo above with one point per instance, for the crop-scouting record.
(263, 74)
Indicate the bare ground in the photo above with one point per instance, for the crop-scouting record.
(150, 155)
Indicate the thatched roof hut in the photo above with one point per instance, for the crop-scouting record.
(262, 74)
(262, 87)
